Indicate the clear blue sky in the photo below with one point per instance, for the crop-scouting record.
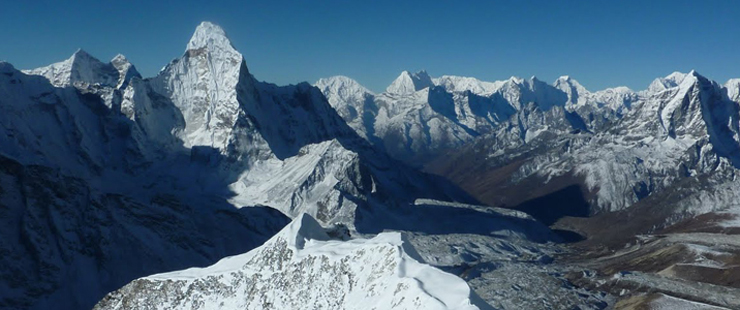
(599, 43)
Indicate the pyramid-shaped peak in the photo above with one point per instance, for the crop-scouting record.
(693, 77)
(209, 35)
(81, 53)
(119, 58)
(408, 83)
(696, 74)
(82, 59)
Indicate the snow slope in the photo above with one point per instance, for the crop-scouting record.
(302, 267)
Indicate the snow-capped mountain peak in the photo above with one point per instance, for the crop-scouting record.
(672, 80)
(454, 83)
(515, 80)
(733, 89)
(341, 84)
(572, 88)
(567, 80)
(203, 85)
(409, 83)
(211, 36)
(82, 69)
(80, 54)
(119, 58)
(342, 89)
(126, 70)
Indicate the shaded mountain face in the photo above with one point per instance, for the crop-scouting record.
(108, 177)
(90, 201)
(560, 150)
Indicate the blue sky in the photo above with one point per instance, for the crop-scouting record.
(600, 43)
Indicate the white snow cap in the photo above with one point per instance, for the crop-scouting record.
(672, 80)
(733, 89)
(209, 35)
(409, 83)
(119, 58)
(340, 83)
(568, 84)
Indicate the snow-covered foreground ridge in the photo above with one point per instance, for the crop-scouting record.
(302, 267)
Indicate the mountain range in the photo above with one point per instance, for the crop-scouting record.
(615, 146)
(205, 188)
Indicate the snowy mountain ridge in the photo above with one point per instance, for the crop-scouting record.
(462, 83)
(382, 272)
(681, 120)
(83, 68)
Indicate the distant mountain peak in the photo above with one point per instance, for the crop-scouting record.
(733, 89)
(341, 82)
(209, 35)
(516, 80)
(119, 58)
(341, 89)
(408, 83)
(570, 86)
(81, 53)
(81, 67)
(672, 80)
